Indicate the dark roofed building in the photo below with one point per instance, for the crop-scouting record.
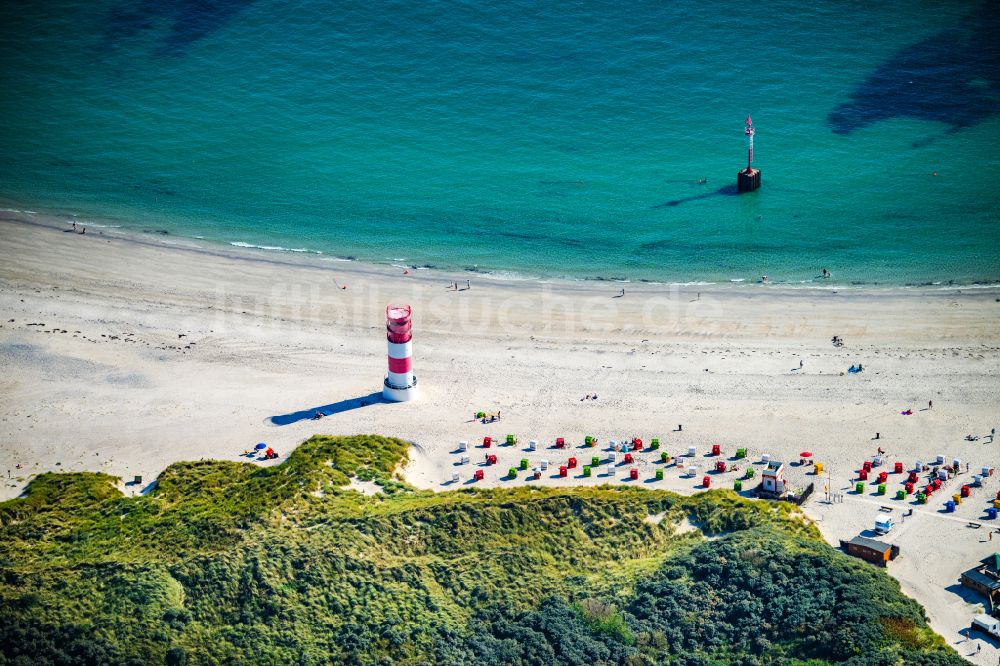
(985, 579)
(871, 550)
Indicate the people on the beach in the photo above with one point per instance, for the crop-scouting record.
(801, 363)
(468, 284)
(826, 273)
(763, 278)
(930, 404)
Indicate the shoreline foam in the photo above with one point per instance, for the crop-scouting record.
(131, 230)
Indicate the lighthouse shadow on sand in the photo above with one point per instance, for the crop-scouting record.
(327, 410)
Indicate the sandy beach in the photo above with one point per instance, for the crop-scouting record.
(124, 352)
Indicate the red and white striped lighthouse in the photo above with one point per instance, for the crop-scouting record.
(400, 385)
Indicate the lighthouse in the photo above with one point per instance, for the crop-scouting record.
(748, 179)
(400, 384)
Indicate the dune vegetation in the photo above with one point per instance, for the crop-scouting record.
(227, 563)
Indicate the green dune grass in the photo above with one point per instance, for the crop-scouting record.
(228, 563)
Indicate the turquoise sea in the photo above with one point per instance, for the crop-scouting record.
(522, 138)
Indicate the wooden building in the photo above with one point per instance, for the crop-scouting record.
(871, 550)
(985, 579)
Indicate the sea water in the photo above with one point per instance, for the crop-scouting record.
(584, 139)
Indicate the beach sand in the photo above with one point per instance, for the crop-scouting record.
(123, 353)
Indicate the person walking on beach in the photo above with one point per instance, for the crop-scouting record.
(84, 230)
(623, 291)
(930, 404)
(74, 226)
(468, 284)
(801, 363)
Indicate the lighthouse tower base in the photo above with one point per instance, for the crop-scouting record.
(396, 394)
(748, 180)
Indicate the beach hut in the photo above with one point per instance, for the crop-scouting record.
(659, 474)
(772, 478)
(818, 468)
(741, 453)
(738, 485)
(919, 466)
(655, 444)
(909, 487)
(898, 468)
(571, 463)
(937, 484)
(977, 481)
(612, 457)
(464, 460)
(692, 471)
(942, 474)
(590, 441)
(900, 494)
(612, 445)
(957, 498)
(524, 463)
(544, 464)
(478, 476)
(512, 472)
(765, 458)
(563, 471)
(636, 444)
(877, 461)
(716, 450)
(454, 477)
(586, 470)
(537, 473)
(487, 442)
(664, 457)
(928, 490)
(883, 477)
(463, 445)
(866, 465)
(956, 465)
(720, 467)
(560, 442)
(949, 506)
(859, 487)
(532, 444)
(610, 470)
(940, 459)
(991, 513)
(595, 461)
(987, 471)
(965, 491)
(749, 473)
(870, 550)
(511, 440)
(491, 460)
(633, 474)
(863, 474)
(691, 451)
(913, 478)
(628, 458)
(881, 489)
(706, 481)
(921, 498)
